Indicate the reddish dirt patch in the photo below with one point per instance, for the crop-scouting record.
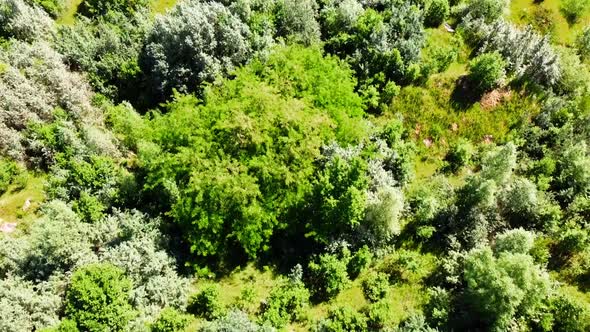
(494, 98)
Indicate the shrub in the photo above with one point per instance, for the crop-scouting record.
(570, 315)
(287, 302)
(499, 290)
(487, 71)
(436, 12)
(8, 173)
(234, 321)
(583, 44)
(206, 303)
(359, 262)
(375, 286)
(516, 241)
(573, 9)
(343, 319)
(297, 20)
(24, 22)
(98, 298)
(488, 10)
(53, 7)
(26, 306)
(378, 314)
(528, 55)
(170, 320)
(328, 276)
(194, 43)
(458, 156)
(107, 50)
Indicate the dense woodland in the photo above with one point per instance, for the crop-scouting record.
(294, 165)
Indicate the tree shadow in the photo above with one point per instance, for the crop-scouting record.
(464, 94)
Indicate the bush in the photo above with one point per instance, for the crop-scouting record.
(296, 19)
(436, 12)
(516, 241)
(378, 314)
(570, 315)
(287, 303)
(53, 7)
(328, 276)
(26, 306)
(98, 298)
(8, 172)
(24, 22)
(487, 71)
(194, 43)
(93, 8)
(488, 10)
(170, 320)
(234, 321)
(359, 262)
(583, 44)
(343, 319)
(206, 303)
(375, 286)
(573, 9)
(458, 156)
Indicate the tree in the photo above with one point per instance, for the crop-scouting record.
(194, 43)
(487, 71)
(98, 298)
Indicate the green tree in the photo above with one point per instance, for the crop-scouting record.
(98, 298)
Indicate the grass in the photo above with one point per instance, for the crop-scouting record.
(161, 6)
(69, 15)
(404, 298)
(12, 201)
(522, 13)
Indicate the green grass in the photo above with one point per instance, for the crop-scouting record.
(161, 6)
(522, 12)
(69, 15)
(12, 201)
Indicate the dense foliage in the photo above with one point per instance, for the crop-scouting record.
(313, 165)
